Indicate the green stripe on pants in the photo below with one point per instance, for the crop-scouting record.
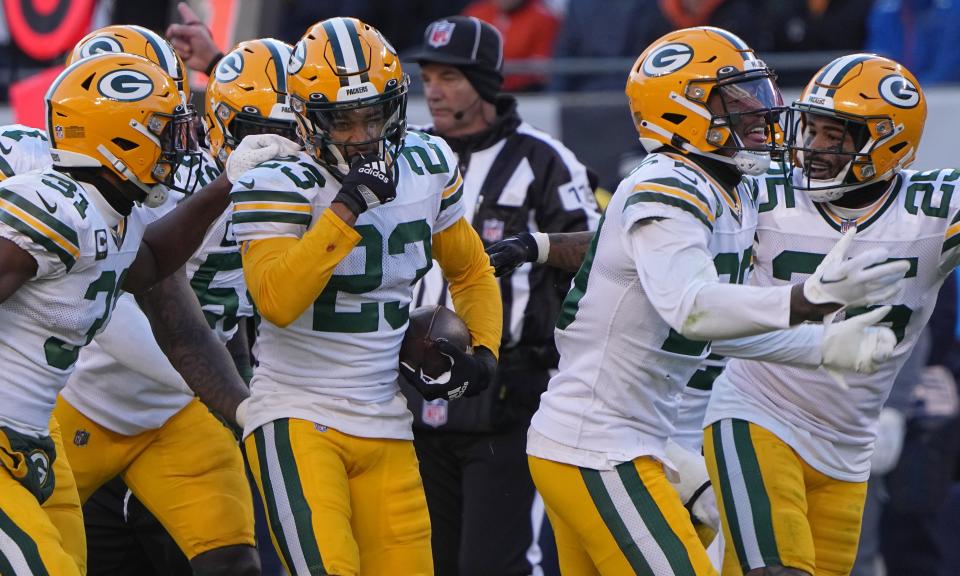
(608, 512)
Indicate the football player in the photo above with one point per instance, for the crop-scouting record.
(70, 241)
(333, 241)
(648, 298)
(130, 405)
(22, 149)
(790, 451)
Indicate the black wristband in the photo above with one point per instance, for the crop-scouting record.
(213, 64)
(350, 201)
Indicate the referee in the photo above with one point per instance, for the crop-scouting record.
(516, 179)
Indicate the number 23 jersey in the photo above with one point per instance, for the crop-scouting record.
(917, 220)
(82, 257)
(336, 364)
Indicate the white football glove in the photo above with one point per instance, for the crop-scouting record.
(693, 485)
(256, 149)
(857, 344)
(891, 429)
(862, 280)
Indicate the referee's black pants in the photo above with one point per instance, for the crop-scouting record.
(479, 491)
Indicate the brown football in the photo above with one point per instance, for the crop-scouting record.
(427, 324)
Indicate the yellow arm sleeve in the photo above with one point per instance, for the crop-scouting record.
(285, 275)
(475, 292)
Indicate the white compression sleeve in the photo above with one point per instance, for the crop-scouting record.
(678, 276)
(800, 346)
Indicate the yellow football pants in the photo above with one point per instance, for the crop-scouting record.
(189, 473)
(624, 521)
(340, 504)
(30, 542)
(776, 509)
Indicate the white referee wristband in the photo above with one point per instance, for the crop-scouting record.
(543, 246)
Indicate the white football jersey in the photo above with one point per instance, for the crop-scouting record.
(622, 367)
(918, 220)
(336, 364)
(22, 149)
(130, 402)
(216, 270)
(81, 260)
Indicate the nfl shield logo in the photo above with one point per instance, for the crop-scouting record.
(81, 438)
(440, 34)
(434, 412)
(492, 230)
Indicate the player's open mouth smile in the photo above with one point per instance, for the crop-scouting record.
(819, 168)
(756, 135)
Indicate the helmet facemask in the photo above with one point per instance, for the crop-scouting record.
(235, 125)
(745, 109)
(177, 138)
(844, 163)
(381, 120)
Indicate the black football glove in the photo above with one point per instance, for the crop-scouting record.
(469, 375)
(507, 255)
(367, 185)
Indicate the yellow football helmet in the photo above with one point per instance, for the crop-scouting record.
(340, 67)
(247, 94)
(876, 101)
(693, 89)
(137, 40)
(123, 113)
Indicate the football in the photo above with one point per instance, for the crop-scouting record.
(427, 324)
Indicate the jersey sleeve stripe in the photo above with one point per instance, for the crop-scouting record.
(271, 207)
(42, 227)
(39, 233)
(64, 231)
(452, 199)
(6, 171)
(453, 177)
(951, 238)
(677, 183)
(451, 189)
(267, 196)
(670, 201)
(271, 217)
(694, 203)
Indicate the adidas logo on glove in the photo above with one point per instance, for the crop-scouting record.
(379, 175)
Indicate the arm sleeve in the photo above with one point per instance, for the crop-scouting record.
(678, 275)
(473, 288)
(800, 346)
(285, 275)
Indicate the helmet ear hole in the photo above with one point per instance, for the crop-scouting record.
(124, 144)
(673, 117)
(897, 147)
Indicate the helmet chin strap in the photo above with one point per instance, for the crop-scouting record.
(749, 162)
(156, 194)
